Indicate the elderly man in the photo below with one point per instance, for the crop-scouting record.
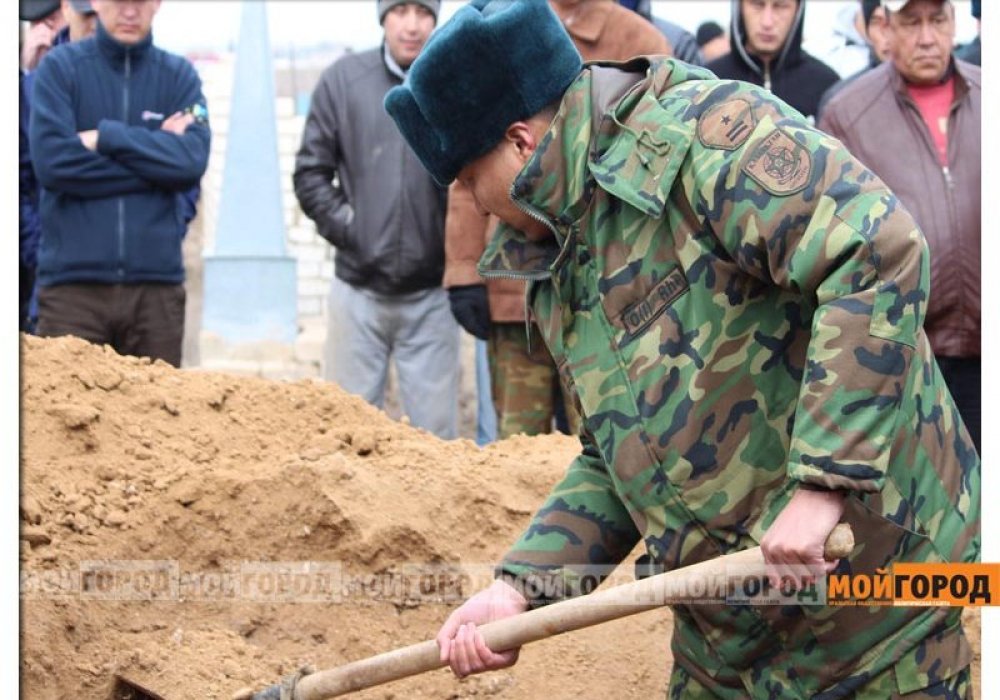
(737, 306)
(119, 131)
(370, 198)
(916, 122)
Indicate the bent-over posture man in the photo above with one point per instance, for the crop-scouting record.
(738, 305)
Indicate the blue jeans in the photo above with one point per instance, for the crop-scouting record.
(486, 412)
(416, 331)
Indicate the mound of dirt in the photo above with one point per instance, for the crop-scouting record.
(204, 533)
(163, 511)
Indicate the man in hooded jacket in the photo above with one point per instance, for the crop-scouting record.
(766, 39)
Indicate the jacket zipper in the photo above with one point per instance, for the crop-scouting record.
(121, 200)
(949, 181)
(396, 272)
(528, 277)
(767, 77)
(950, 192)
(929, 143)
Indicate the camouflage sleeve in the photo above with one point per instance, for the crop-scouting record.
(794, 209)
(575, 540)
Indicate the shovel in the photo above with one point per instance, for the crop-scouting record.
(541, 623)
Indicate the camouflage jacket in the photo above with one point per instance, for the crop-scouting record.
(736, 303)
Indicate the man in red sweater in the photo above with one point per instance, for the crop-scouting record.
(916, 122)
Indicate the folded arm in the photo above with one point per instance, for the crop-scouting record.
(61, 162)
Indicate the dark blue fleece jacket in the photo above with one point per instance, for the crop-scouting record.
(114, 216)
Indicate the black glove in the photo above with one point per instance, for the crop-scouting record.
(470, 305)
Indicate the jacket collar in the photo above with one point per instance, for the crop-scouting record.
(116, 51)
(955, 70)
(62, 37)
(583, 20)
(608, 118)
(390, 63)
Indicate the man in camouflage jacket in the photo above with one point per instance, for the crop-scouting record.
(736, 304)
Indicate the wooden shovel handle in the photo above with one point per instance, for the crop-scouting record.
(512, 632)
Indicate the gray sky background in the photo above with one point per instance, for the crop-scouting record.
(185, 25)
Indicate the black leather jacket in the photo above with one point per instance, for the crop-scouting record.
(383, 212)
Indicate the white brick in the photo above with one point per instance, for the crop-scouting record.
(242, 367)
(313, 287)
(282, 371)
(307, 253)
(309, 307)
(301, 234)
(326, 270)
(304, 221)
(291, 126)
(309, 343)
(287, 144)
(284, 107)
(308, 270)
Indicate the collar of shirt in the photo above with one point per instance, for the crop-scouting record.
(391, 64)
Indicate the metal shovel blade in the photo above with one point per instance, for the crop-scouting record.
(126, 689)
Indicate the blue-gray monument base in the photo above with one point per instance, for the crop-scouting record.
(251, 299)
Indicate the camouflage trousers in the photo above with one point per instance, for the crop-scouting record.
(884, 686)
(524, 384)
(917, 677)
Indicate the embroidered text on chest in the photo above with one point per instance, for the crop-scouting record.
(639, 315)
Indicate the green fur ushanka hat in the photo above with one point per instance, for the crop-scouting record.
(493, 63)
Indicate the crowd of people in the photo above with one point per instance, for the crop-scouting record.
(110, 182)
(763, 46)
(747, 279)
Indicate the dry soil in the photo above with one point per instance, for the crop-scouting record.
(205, 533)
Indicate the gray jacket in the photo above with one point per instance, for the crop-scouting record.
(383, 213)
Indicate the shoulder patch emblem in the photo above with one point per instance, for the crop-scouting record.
(779, 164)
(727, 125)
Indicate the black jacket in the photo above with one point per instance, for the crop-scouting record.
(795, 76)
(384, 213)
